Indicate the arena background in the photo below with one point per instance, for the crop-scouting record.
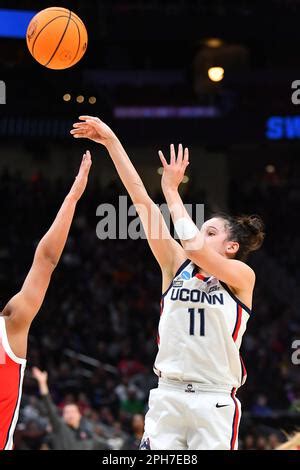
(146, 65)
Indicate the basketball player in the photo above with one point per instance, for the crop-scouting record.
(206, 303)
(17, 315)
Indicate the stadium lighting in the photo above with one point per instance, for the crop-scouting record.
(213, 42)
(80, 99)
(216, 74)
(270, 169)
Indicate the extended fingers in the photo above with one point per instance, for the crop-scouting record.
(182, 157)
(87, 122)
(79, 124)
(79, 129)
(89, 118)
(78, 133)
(86, 162)
(162, 159)
(180, 154)
(172, 154)
(84, 125)
(186, 157)
(87, 156)
(78, 136)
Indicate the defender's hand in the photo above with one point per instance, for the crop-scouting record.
(81, 179)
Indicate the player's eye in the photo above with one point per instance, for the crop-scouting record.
(211, 234)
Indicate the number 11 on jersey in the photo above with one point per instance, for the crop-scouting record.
(192, 321)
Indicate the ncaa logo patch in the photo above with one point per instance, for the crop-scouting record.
(185, 275)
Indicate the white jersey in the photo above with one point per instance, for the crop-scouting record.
(200, 331)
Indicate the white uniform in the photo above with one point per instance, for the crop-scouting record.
(199, 365)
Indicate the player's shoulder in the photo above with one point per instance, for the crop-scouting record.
(245, 271)
(179, 264)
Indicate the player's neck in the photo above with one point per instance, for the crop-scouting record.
(202, 272)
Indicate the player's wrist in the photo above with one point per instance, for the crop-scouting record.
(44, 390)
(112, 142)
(170, 191)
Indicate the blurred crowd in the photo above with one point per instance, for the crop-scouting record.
(96, 333)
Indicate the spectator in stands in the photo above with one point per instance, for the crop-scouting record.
(68, 431)
(132, 404)
(249, 442)
(261, 408)
(137, 431)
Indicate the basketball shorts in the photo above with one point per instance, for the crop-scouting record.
(185, 415)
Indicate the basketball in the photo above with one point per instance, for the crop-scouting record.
(57, 38)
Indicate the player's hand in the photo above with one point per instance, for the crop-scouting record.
(41, 377)
(174, 171)
(94, 129)
(81, 179)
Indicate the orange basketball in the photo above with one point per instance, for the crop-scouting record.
(56, 38)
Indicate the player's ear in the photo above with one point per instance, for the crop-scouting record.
(232, 248)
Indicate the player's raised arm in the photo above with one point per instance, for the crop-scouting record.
(233, 272)
(166, 250)
(23, 307)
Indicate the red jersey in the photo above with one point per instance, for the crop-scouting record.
(11, 380)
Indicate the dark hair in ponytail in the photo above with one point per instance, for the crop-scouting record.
(247, 230)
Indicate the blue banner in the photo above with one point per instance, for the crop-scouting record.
(14, 23)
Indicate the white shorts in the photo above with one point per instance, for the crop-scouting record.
(183, 416)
